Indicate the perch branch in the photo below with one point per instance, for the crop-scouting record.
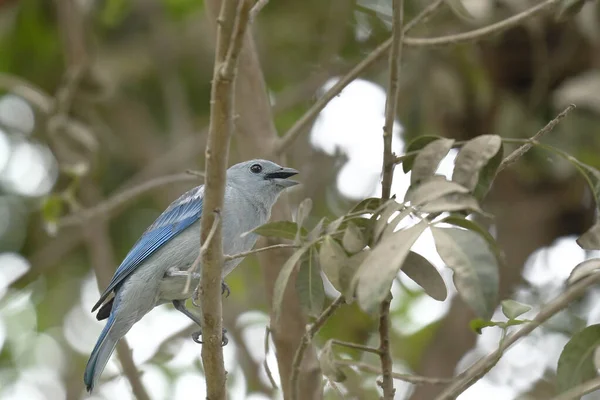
(306, 339)
(301, 124)
(467, 378)
(414, 379)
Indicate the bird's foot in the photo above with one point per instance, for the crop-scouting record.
(196, 295)
(224, 339)
(225, 289)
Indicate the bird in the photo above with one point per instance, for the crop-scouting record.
(155, 271)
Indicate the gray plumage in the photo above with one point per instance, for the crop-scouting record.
(153, 272)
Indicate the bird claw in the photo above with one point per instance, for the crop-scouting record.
(225, 289)
(224, 339)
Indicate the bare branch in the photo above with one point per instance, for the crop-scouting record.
(580, 390)
(203, 250)
(259, 250)
(306, 339)
(414, 379)
(230, 32)
(387, 169)
(481, 33)
(467, 378)
(301, 124)
(356, 346)
(518, 153)
(108, 207)
(256, 9)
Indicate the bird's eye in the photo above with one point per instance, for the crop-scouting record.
(256, 168)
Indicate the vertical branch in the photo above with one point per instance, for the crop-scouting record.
(230, 30)
(393, 92)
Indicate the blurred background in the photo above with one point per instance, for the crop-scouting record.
(98, 97)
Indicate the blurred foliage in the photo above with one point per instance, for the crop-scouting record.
(144, 100)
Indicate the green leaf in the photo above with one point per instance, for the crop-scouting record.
(302, 213)
(333, 259)
(316, 231)
(375, 275)
(513, 309)
(52, 208)
(478, 324)
(576, 362)
(353, 240)
(428, 159)
(381, 223)
(280, 229)
(568, 9)
(475, 267)
(367, 205)
(472, 157)
(347, 274)
(583, 270)
(309, 284)
(432, 189)
(487, 175)
(420, 270)
(334, 225)
(452, 202)
(416, 144)
(283, 278)
(475, 227)
(329, 368)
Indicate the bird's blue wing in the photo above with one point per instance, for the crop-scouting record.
(182, 213)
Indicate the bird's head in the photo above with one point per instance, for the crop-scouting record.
(262, 177)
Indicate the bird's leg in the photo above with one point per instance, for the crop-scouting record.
(180, 306)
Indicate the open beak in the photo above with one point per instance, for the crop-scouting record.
(281, 176)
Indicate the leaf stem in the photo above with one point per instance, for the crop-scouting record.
(306, 339)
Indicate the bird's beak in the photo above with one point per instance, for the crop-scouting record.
(280, 177)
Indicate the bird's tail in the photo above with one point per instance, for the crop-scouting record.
(100, 355)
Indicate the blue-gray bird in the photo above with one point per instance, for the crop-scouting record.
(154, 271)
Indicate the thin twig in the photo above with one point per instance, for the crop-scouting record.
(237, 38)
(518, 153)
(467, 378)
(356, 346)
(391, 104)
(414, 379)
(265, 363)
(256, 9)
(107, 207)
(480, 33)
(579, 390)
(260, 250)
(306, 339)
(299, 126)
(203, 250)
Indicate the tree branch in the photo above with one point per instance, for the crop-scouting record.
(260, 250)
(480, 33)
(107, 207)
(467, 378)
(301, 124)
(306, 339)
(414, 379)
(391, 105)
(356, 346)
(230, 32)
(518, 153)
(580, 390)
